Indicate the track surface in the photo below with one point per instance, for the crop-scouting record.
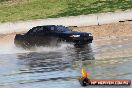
(61, 66)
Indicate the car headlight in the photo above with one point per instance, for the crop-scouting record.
(75, 36)
(90, 34)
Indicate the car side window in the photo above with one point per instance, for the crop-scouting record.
(45, 29)
(39, 30)
(34, 30)
(52, 29)
(49, 29)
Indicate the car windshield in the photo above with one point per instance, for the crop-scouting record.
(62, 29)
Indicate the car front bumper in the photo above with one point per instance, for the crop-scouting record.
(80, 40)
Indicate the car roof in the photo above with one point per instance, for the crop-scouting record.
(49, 26)
(56, 28)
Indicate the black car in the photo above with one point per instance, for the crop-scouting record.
(52, 35)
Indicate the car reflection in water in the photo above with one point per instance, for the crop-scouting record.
(58, 60)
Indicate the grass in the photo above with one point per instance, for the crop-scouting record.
(14, 10)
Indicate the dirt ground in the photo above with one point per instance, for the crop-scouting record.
(108, 30)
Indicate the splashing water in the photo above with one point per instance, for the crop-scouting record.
(10, 48)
